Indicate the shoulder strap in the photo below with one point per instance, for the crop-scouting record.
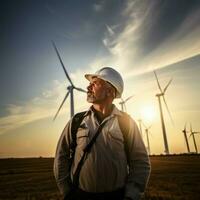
(76, 121)
(86, 151)
(124, 124)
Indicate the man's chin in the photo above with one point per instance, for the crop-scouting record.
(90, 100)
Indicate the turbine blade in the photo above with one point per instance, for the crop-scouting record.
(168, 110)
(196, 132)
(128, 98)
(144, 125)
(80, 89)
(185, 126)
(190, 127)
(157, 81)
(122, 100)
(61, 62)
(121, 103)
(149, 127)
(125, 107)
(61, 105)
(167, 85)
(151, 134)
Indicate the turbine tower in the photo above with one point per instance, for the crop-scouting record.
(192, 134)
(70, 88)
(186, 139)
(123, 103)
(159, 96)
(147, 135)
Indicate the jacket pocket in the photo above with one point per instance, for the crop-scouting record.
(116, 135)
(116, 140)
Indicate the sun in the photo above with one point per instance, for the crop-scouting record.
(148, 113)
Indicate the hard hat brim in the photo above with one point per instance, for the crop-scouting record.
(90, 76)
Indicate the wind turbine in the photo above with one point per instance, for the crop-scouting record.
(122, 103)
(186, 139)
(147, 134)
(70, 88)
(159, 96)
(192, 134)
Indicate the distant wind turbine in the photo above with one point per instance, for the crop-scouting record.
(70, 88)
(123, 103)
(192, 134)
(159, 96)
(147, 135)
(186, 139)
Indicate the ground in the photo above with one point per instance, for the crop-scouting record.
(175, 177)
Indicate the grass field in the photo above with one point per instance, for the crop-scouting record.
(172, 177)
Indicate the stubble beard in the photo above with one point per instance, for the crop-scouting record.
(91, 98)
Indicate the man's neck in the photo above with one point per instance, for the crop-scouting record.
(103, 111)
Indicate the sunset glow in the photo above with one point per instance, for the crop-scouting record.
(148, 113)
(134, 37)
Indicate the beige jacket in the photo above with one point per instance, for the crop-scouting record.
(105, 168)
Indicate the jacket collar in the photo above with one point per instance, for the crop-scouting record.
(115, 111)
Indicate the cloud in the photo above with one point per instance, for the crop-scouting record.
(183, 44)
(50, 9)
(125, 43)
(98, 7)
(45, 105)
(38, 108)
(110, 30)
(127, 46)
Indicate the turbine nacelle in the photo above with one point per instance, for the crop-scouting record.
(70, 87)
(159, 95)
(184, 130)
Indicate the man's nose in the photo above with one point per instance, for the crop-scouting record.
(89, 87)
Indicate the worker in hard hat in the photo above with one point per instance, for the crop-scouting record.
(100, 154)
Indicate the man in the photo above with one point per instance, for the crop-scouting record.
(117, 165)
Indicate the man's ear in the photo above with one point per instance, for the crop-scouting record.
(110, 92)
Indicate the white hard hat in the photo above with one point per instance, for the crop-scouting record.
(110, 75)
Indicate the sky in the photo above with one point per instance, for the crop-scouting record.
(135, 37)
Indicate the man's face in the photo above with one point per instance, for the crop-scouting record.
(96, 91)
